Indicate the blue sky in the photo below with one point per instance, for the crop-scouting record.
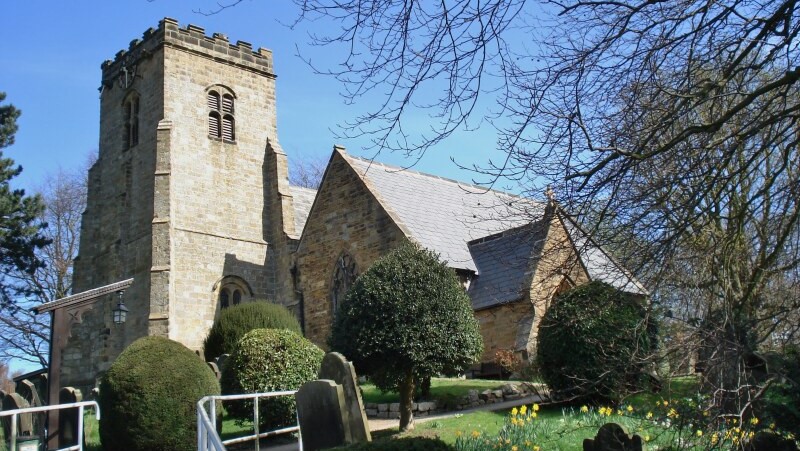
(50, 56)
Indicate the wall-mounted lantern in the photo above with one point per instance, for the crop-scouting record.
(120, 314)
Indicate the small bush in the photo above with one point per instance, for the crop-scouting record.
(781, 403)
(270, 360)
(399, 444)
(149, 397)
(234, 322)
(593, 343)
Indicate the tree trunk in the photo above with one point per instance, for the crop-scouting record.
(406, 400)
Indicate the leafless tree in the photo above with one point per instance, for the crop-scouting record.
(307, 171)
(675, 121)
(24, 335)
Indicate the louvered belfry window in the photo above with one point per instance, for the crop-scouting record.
(221, 123)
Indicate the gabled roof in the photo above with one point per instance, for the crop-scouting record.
(442, 214)
(505, 262)
(497, 235)
(599, 264)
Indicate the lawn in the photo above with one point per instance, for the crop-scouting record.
(556, 427)
(442, 389)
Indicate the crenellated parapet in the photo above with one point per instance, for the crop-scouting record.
(192, 38)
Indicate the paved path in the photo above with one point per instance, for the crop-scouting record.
(379, 424)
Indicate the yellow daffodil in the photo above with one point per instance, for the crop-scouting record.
(714, 438)
(536, 448)
(523, 410)
(629, 408)
(754, 421)
(649, 415)
(534, 415)
(647, 438)
(514, 411)
(699, 433)
(584, 409)
(536, 407)
(476, 434)
(666, 403)
(772, 426)
(515, 448)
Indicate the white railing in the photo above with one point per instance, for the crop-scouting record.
(79, 405)
(209, 440)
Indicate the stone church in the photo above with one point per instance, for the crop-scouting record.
(190, 210)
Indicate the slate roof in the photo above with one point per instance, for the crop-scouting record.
(497, 235)
(443, 214)
(599, 264)
(505, 263)
(303, 199)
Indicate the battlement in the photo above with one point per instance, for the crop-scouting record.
(192, 38)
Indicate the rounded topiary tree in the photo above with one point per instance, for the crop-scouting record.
(267, 360)
(594, 342)
(407, 317)
(149, 397)
(234, 322)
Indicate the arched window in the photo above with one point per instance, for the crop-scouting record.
(221, 122)
(231, 290)
(344, 274)
(130, 111)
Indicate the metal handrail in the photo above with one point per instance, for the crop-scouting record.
(207, 437)
(80, 405)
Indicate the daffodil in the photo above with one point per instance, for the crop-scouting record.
(629, 408)
(649, 415)
(476, 434)
(514, 411)
(699, 433)
(523, 410)
(584, 409)
(754, 421)
(536, 407)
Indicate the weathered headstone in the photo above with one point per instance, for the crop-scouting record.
(215, 369)
(336, 368)
(611, 437)
(13, 401)
(27, 390)
(68, 419)
(322, 415)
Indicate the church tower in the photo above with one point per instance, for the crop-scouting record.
(189, 196)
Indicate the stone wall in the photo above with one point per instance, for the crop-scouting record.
(345, 218)
(501, 326)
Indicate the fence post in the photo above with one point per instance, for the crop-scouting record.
(255, 423)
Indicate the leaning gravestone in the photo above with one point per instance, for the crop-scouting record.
(13, 401)
(611, 437)
(68, 419)
(336, 368)
(322, 415)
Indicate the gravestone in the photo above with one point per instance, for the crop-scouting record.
(27, 390)
(611, 437)
(336, 368)
(13, 401)
(68, 419)
(321, 415)
(215, 369)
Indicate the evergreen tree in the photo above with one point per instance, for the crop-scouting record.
(20, 228)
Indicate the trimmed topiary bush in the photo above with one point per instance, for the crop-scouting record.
(149, 397)
(234, 322)
(407, 318)
(270, 360)
(594, 342)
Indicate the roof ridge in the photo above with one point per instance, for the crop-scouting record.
(445, 179)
